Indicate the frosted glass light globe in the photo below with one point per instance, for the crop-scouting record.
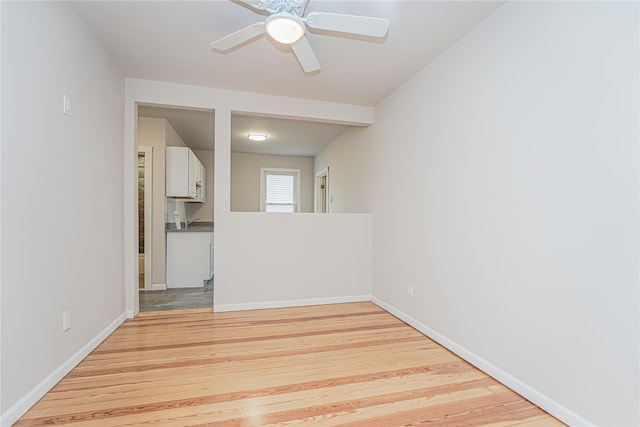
(284, 27)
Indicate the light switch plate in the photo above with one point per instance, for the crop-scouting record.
(66, 104)
(66, 321)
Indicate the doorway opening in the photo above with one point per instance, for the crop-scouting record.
(178, 267)
(322, 191)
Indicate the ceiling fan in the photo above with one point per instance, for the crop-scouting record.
(286, 24)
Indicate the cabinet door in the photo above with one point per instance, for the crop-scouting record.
(181, 172)
(188, 259)
(177, 171)
(193, 174)
(201, 180)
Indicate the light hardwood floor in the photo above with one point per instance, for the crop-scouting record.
(331, 365)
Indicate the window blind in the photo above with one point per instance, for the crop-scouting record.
(280, 192)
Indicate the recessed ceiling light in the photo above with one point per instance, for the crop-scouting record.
(257, 136)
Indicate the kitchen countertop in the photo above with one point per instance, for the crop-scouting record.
(202, 227)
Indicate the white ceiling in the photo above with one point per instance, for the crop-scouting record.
(285, 136)
(195, 127)
(169, 41)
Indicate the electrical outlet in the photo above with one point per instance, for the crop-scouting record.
(410, 289)
(66, 321)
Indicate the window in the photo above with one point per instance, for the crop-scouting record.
(279, 190)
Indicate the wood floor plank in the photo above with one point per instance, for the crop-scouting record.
(342, 364)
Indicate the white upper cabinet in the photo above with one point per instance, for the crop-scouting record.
(184, 174)
(200, 180)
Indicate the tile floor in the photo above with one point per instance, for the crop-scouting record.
(177, 298)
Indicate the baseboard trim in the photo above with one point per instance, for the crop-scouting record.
(158, 286)
(219, 308)
(17, 410)
(540, 399)
(543, 401)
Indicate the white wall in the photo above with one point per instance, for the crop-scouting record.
(507, 193)
(517, 150)
(349, 159)
(245, 233)
(245, 179)
(293, 259)
(62, 205)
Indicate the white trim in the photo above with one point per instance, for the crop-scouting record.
(148, 211)
(289, 303)
(263, 188)
(18, 409)
(323, 172)
(159, 287)
(543, 401)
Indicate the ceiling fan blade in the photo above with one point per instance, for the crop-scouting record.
(239, 37)
(256, 4)
(302, 4)
(306, 57)
(362, 25)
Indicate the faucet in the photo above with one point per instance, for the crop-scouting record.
(189, 221)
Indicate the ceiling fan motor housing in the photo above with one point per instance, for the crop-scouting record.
(295, 7)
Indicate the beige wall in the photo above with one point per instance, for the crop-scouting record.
(158, 134)
(349, 159)
(204, 211)
(172, 138)
(245, 179)
(151, 133)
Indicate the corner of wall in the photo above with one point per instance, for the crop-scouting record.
(520, 387)
(18, 409)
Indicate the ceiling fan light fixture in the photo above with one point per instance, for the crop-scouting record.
(284, 27)
(257, 136)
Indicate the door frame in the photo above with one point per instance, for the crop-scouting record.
(148, 214)
(323, 173)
